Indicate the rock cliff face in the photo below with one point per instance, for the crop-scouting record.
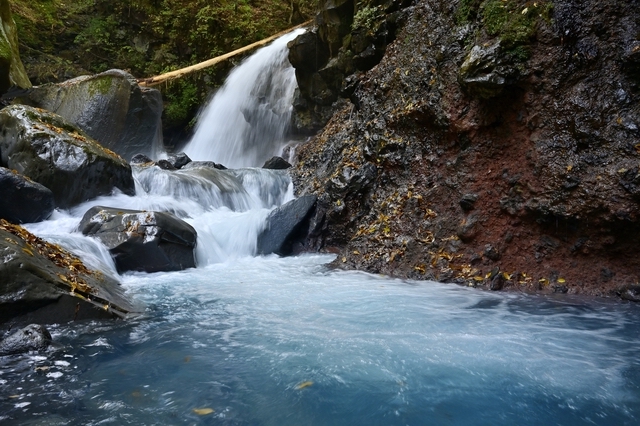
(12, 72)
(496, 144)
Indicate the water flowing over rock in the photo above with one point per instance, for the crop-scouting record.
(33, 337)
(23, 200)
(286, 226)
(142, 241)
(12, 72)
(248, 118)
(54, 153)
(44, 284)
(111, 108)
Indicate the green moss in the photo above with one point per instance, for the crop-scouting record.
(100, 85)
(467, 11)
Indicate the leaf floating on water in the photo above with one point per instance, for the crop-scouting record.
(304, 385)
(203, 411)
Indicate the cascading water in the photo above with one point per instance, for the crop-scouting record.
(247, 119)
(243, 340)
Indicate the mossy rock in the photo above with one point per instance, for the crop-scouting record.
(60, 156)
(110, 107)
(12, 72)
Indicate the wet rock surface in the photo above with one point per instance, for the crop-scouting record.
(23, 200)
(34, 337)
(44, 284)
(287, 227)
(141, 240)
(538, 180)
(110, 107)
(51, 151)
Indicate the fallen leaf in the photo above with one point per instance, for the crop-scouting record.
(304, 385)
(203, 411)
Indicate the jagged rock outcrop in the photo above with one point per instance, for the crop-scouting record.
(537, 181)
(286, 227)
(110, 107)
(56, 154)
(12, 72)
(42, 283)
(34, 337)
(23, 200)
(350, 37)
(141, 240)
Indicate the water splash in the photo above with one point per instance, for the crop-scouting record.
(247, 120)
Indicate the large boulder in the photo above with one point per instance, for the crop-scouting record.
(34, 337)
(56, 154)
(12, 72)
(42, 283)
(286, 226)
(142, 241)
(111, 108)
(23, 200)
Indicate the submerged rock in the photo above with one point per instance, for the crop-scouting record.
(23, 200)
(33, 337)
(110, 107)
(54, 153)
(285, 226)
(42, 283)
(141, 240)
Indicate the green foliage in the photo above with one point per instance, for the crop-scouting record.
(366, 18)
(146, 38)
(514, 22)
(467, 11)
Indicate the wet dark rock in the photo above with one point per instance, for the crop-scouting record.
(490, 252)
(165, 165)
(110, 107)
(179, 160)
(141, 240)
(468, 228)
(307, 53)
(334, 22)
(630, 292)
(286, 226)
(23, 200)
(560, 288)
(56, 154)
(33, 337)
(276, 163)
(486, 72)
(546, 129)
(38, 285)
(497, 282)
(196, 164)
(140, 159)
(467, 201)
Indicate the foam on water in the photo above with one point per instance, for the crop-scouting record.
(276, 341)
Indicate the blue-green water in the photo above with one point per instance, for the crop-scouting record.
(269, 341)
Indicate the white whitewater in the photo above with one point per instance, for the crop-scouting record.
(246, 121)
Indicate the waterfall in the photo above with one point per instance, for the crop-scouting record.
(245, 123)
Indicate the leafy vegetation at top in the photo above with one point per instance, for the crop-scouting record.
(147, 37)
(514, 22)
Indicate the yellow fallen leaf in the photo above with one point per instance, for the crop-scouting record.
(304, 385)
(561, 280)
(203, 411)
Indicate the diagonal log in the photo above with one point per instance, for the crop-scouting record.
(172, 75)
